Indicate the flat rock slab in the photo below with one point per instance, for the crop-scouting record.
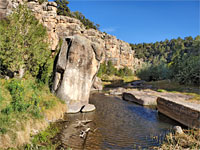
(88, 108)
(182, 111)
(78, 107)
(141, 98)
(149, 97)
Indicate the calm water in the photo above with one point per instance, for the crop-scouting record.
(120, 125)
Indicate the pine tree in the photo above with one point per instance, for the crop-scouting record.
(62, 8)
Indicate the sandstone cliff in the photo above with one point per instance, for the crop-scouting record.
(119, 52)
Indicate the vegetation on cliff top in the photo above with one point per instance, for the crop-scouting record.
(63, 9)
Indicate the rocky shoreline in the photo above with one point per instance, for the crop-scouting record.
(174, 105)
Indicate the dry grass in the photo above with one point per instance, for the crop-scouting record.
(190, 139)
(171, 86)
(15, 124)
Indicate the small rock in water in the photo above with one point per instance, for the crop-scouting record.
(178, 130)
(88, 108)
(74, 108)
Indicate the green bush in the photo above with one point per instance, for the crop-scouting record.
(109, 69)
(150, 72)
(124, 72)
(188, 70)
(42, 1)
(63, 9)
(19, 103)
(23, 44)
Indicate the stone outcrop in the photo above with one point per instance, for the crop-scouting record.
(140, 97)
(97, 84)
(58, 27)
(75, 70)
(149, 97)
(184, 112)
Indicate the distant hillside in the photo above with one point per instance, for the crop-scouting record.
(177, 59)
(166, 50)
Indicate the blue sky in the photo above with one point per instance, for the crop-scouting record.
(147, 21)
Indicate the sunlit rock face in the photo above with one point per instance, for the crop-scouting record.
(75, 70)
(115, 50)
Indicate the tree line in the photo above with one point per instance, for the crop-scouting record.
(63, 9)
(177, 59)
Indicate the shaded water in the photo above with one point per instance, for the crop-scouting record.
(120, 125)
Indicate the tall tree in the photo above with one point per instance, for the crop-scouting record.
(23, 45)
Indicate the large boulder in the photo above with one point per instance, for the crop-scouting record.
(76, 66)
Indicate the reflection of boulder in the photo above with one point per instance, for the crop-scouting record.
(75, 70)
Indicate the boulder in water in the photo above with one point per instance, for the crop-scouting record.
(75, 69)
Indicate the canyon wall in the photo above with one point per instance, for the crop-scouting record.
(58, 27)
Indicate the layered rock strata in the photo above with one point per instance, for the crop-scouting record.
(58, 27)
(184, 112)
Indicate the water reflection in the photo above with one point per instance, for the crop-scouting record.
(119, 125)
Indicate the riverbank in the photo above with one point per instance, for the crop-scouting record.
(190, 138)
(26, 109)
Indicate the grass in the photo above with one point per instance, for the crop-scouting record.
(190, 139)
(116, 80)
(21, 101)
(44, 140)
(171, 86)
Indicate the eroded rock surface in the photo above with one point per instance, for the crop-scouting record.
(115, 50)
(149, 97)
(75, 71)
(184, 112)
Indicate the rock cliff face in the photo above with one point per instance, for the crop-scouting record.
(76, 67)
(119, 52)
(81, 53)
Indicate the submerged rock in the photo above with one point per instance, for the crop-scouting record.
(75, 69)
(140, 97)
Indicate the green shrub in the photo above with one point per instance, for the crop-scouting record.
(150, 72)
(124, 72)
(109, 69)
(188, 71)
(19, 103)
(42, 1)
(23, 42)
(63, 9)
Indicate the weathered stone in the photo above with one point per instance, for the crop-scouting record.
(184, 112)
(178, 130)
(75, 70)
(117, 91)
(74, 108)
(97, 84)
(58, 27)
(140, 97)
(88, 108)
